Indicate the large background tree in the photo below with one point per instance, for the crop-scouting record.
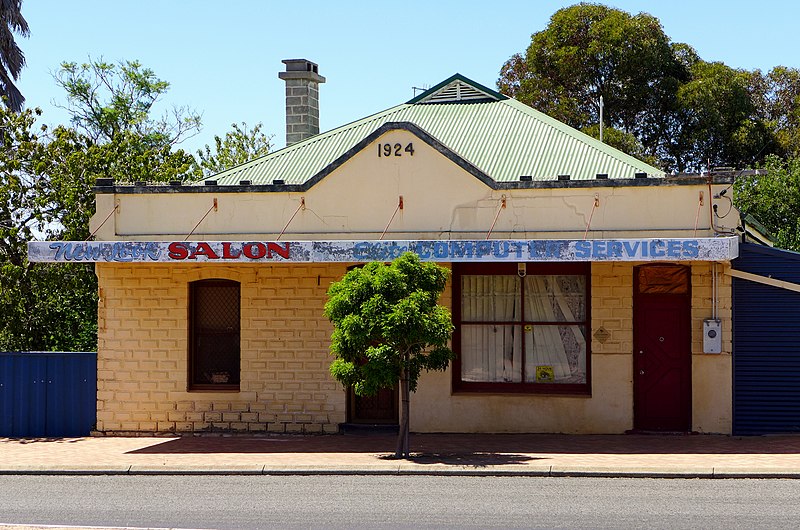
(685, 114)
(11, 57)
(389, 328)
(667, 106)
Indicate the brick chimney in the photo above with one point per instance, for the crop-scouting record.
(302, 99)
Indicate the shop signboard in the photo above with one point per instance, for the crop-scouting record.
(456, 250)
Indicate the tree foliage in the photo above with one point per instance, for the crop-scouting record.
(777, 100)
(11, 57)
(588, 51)
(106, 99)
(46, 189)
(684, 113)
(774, 200)
(389, 328)
(42, 306)
(239, 145)
(46, 192)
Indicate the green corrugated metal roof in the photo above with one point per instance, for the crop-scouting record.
(502, 138)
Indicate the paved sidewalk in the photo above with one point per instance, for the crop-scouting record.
(704, 456)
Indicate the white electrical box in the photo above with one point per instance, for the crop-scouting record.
(712, 336)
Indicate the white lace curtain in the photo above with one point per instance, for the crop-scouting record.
(492, 348)
(491, 352)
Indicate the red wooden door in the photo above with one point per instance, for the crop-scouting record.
(378, 409)
(662, 367)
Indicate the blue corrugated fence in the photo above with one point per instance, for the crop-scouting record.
(47, 394)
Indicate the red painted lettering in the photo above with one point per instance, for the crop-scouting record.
(277, 248)
(227, 254)
(254, 250)
(178, 251)
(204, 249)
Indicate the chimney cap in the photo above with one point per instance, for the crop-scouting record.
(301, 69)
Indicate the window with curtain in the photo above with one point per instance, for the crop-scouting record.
(521, 332)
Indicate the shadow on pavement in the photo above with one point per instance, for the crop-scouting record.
(455, 446)
(466, 459)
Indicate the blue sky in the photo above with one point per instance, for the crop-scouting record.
(223, 58)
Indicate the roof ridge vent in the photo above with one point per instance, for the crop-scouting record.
(458, 89)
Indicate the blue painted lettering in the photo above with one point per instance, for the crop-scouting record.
(59, 248)
(691, 248)
(631, 249)
(598, 249)
(656, 249)
(500, 249)
(422, 249)
(583, 249)
(483, 248)
(674, 249)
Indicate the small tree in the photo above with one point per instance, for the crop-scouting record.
(388, 328)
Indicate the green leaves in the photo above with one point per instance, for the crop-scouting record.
(239, 145)
(386, 318)
(774, 200)
(106, 99)
(682, 113)
(46, 180)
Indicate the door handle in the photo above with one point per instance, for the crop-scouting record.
(641, 372)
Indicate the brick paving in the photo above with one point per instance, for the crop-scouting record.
(533, 454)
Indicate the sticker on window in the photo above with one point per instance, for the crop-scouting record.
(545, 374)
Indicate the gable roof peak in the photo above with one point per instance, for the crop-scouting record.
(457, 89)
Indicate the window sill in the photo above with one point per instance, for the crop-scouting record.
(549, 391)
(471, 393)
(214, 389)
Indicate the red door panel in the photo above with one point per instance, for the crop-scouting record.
(662, 383)
(380, 408)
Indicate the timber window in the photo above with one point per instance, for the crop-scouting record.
(214, 335)
(521, 328)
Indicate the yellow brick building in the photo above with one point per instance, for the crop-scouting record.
(590, 291)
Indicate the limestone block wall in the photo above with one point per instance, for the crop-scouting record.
(712, 374)
(143, 348)
(285, 383)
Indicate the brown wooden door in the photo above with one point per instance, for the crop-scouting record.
(379, 409)
(662, 367)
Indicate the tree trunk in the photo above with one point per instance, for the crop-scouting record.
(402, 450)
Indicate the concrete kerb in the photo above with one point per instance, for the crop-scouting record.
(406, 469)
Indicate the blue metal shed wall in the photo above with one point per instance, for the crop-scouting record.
(766, 343)
(49, 394)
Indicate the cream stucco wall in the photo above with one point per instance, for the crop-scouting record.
(440, 200)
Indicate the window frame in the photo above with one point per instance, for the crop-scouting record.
(191, 385)
(522, 387)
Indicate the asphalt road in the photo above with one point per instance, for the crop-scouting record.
(397, 502)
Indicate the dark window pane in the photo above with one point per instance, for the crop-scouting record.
(215, 333)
